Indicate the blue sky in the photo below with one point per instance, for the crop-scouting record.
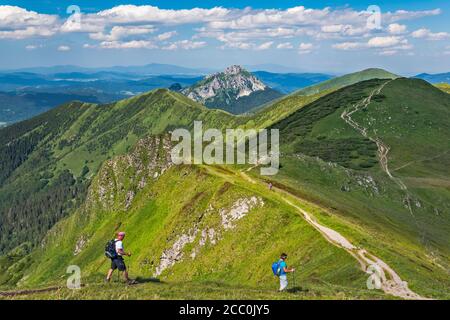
(406, 37)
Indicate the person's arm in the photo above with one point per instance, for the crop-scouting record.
(123, 253)
(285, 269)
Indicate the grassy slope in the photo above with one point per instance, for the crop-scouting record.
(370, 203)
(272, 112)
(376, 220)
(77, 135)
(346, 80)
(237, 265)
(444, 87)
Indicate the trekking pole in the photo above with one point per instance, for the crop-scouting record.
(293, 276)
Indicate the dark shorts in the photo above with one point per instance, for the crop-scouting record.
(118, 263)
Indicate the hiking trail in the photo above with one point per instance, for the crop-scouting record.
(391, 282)
(383, 148)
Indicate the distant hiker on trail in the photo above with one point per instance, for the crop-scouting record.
(280, 269)
(270, 186)
(114, 250)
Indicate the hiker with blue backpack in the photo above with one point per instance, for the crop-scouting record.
(280, 269)
(115, 251)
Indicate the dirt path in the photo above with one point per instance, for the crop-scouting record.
(27, 291)
(383, 149)
(421, 160)
(391, 283)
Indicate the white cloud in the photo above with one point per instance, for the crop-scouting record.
(329, 21)
(383, 42)
(19, 23)
(134, 15)
(170, 47)
(63, 48)
(285, 45)
(150, 14)
(305, 48)
(130, 26)
(265, 46)
(238, 45)
(387, 45)
(33, 46)
(334, 28)
(16, 17)
(269, 17)
(120, 32)
(78, 23)
(28, 32)
(393, 52)
(409, 15)
(395, 28)
(348, 45)
(185, 45)
(247, 35)
(166, 35)
(133, 44)
(428, 35)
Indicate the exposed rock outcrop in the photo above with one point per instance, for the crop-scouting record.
(203, 234)
(122, 177)
(235, 79)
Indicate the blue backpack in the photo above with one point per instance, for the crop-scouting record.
(276, 268)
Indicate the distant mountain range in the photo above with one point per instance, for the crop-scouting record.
(148, 69)
(152, 68)
(30, 91)
(434, 78)
(288, 82)
(25, 94)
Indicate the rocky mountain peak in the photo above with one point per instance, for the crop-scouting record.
(233, 70)
(233, 83)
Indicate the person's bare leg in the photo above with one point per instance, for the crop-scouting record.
(125, 275)
(110, 272)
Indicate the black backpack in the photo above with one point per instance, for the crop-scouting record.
(110, 249)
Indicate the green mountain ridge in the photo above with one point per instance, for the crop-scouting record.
(70, 140)
(346, 80)
(180, 221)
(411, 207)
(116, 159)
(444, 87)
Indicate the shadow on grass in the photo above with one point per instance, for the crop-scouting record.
(297, 290)
(147, 280)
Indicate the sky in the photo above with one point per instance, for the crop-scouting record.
(405, 37)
